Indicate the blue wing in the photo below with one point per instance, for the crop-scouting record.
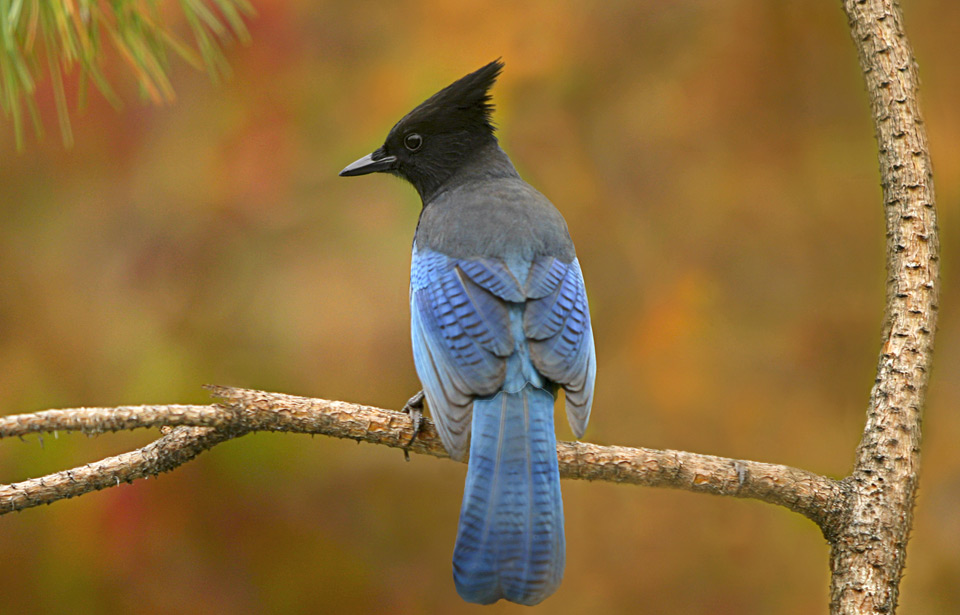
(460, 327)
(557, 323)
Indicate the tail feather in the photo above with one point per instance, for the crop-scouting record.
(510, 541)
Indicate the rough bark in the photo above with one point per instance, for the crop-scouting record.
(244, 411)
(869, 544)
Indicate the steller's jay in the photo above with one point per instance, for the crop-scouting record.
(499, 321)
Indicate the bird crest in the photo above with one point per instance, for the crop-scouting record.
(465, 104)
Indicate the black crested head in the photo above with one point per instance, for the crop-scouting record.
(439, 136)
(465, 104)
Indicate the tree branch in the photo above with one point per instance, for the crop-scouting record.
(92, 421)
(174, 449)
(243, 411)
(868, 553)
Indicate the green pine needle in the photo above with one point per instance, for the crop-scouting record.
(52, 38)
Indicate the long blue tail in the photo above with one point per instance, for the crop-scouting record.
(510, 541)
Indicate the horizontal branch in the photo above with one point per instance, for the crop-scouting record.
(819, 498)
(242, 411)
(92, 421)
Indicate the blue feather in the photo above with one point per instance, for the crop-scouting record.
(510, 541)
(560, 336)
(492, 340)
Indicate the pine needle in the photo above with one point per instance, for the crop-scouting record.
(71, 34)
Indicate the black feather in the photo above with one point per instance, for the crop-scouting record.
(465, 104)
(452, 127)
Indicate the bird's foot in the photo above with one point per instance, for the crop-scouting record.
(413, 407)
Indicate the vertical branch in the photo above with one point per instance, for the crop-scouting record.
(869, 549)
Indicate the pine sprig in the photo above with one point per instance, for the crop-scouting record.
(53, 38)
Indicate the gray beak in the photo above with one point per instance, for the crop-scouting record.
(371, 163)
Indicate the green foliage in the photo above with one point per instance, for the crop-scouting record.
(58, 36)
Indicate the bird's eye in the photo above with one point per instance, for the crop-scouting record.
(413, 141)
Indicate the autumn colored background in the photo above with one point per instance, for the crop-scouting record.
(715, 162)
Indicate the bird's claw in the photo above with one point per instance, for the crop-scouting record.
(413, 407)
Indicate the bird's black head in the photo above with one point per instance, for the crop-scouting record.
(431, 142)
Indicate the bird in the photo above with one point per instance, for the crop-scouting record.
(499, 324)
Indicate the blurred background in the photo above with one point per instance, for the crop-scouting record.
(717, 168)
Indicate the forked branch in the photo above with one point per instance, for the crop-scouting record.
(243, 411)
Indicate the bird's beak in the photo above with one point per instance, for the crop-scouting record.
(371, 163)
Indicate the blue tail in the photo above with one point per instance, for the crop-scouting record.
(510, 541)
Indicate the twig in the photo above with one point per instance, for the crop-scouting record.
(244, 411)
(122, 418)
(163, 455)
